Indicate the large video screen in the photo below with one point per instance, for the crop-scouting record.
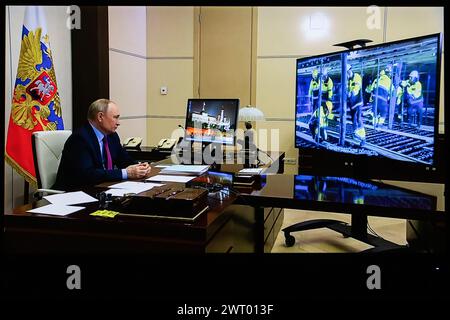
(212, 120)
(378, 101)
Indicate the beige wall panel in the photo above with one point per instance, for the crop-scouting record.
(128, 83)
(275, 89)
(163, 128)
(133, 128)
(285, 133)
(177, 76)
(225, 53)
(127, 29)
(408, 22)
(312, 30)
(170, 31)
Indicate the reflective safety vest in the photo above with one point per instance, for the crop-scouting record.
(354, 88)
(354, 84)
(384, 87)
(327, 89)
(414, 92)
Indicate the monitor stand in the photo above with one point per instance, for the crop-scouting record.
(353, 44)
(210, 153)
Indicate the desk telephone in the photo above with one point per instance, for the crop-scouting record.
(166, 144)
(132, 142)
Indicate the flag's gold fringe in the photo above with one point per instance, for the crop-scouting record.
(28, 177)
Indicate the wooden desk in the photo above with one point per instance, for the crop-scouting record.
(246, 219)
(224, 228)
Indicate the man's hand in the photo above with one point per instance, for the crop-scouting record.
(138, 171)
(146, 166)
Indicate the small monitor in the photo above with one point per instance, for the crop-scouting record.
(212, 120)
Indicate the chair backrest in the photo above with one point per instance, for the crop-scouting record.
(47, 151)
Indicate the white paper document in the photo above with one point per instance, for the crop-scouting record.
(132, 187)
(69, 198)
(56, 209)
(251, 171)
(185, 169)
(170, 178)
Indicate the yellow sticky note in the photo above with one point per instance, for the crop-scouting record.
(105, 213)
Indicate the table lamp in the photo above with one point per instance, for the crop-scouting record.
(249, 114)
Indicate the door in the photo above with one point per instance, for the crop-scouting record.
(225, 53)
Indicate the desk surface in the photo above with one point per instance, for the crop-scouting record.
(333, 194)
(344, 195)
(322, 193)
(149, 232)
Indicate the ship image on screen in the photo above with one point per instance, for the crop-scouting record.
(212, 120)
(379, 101)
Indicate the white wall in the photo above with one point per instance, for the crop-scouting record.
(59, 35)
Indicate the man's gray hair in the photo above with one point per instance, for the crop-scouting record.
(100, 105)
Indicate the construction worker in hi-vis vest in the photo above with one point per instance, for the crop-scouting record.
(318, 122)
(381, 89)
(413, 98)
(355, 103)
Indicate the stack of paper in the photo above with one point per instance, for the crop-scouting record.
(119, 189)
(69, 198)
(182, 169)
(170, 178)
(62, 204)
(250, 171)
(56, 209)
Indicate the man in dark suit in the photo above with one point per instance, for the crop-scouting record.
(93, 154)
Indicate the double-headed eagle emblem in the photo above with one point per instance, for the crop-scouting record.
(36, 90)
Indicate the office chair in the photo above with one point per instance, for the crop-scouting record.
(357, 229)
(47, 150)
